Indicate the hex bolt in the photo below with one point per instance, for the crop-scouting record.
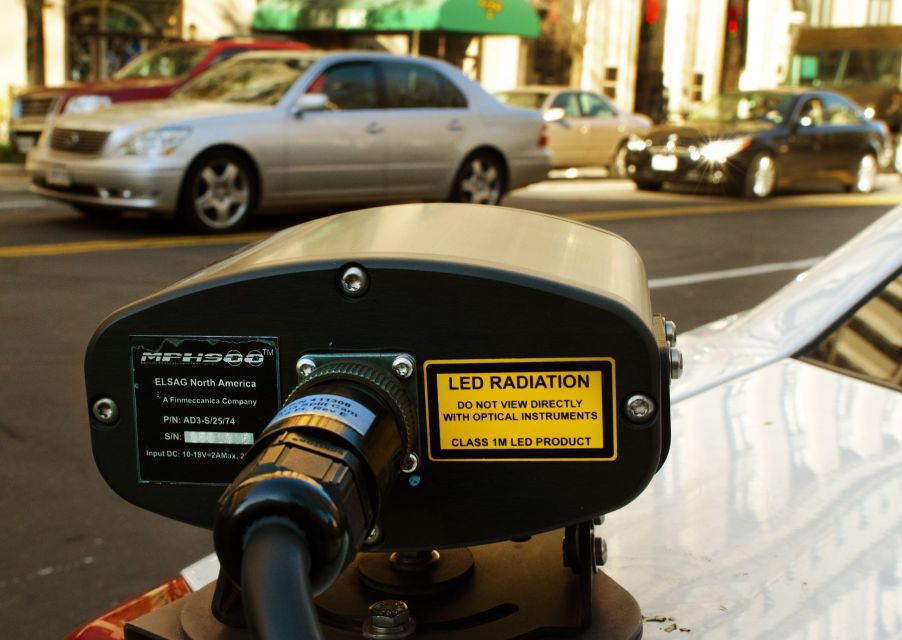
(388, 619)
(354, 282)
(676, 363)
(670, 332)
(639, 408)
(105, 410)
(403, 366)
(599, 553)
(411, 463)
(304, 366)
(374, 536)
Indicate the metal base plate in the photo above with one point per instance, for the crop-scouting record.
(517, 590)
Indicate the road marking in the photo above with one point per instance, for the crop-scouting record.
(726, 274)
(804, 202)
(92, 246)
(26, 204)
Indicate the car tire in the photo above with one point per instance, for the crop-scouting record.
(865, 178)
(95, 212)
(617, 168)
(481, 179)
(219, 193)
(760, 178)
(643, 185)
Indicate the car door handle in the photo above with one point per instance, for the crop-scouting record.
(455, 125)
(374, 127)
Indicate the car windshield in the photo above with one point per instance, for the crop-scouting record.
(747, 106)
(171, 62)
(523, 99)
(251, 80)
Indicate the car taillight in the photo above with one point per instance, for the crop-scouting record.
(111, 625)
(543, 136)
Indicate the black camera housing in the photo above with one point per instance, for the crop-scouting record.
(490, 304)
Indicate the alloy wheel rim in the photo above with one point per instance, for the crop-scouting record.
(221, 195)
(482, 184)
(867, 174)
(763, 179)
(620, 162)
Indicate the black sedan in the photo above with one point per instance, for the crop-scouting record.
(752, 142)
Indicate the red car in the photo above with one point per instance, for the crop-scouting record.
(150, 76)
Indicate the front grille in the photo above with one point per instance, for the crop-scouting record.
(78, 140)
(36, 106)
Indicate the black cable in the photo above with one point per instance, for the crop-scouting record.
(275, 582)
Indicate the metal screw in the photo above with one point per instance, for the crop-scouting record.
(105, 410)
(670, 332)
(403, 366)
(640, 408)
(304, 366)
(354, 282)
(388, 619)
(374, 536)
(599, 553)
(676, 363)
(411, 463)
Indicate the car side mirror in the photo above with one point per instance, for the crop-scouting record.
(554, 115)
(310, 102)
(804, 121)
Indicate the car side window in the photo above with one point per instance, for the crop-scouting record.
(593, 106)
(224, 55)
(838, 112)
(812, 113)
(569, 102)
(869, 344)
(349, 86)
(414, 86)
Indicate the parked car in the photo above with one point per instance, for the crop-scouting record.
(777, 514)
(271, 129)
(753, 142)
(586, 129)
(150, 76)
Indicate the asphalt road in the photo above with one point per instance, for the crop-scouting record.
(71, 549)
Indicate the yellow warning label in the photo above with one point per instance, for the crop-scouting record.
(524, 409)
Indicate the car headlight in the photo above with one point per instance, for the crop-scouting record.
(635, 143)
(84, 104)
(16, 111)
(720, 150)
(156, 142)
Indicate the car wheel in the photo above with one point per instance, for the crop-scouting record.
(219, 193)
(760, 177)
(480, 179)
(95, 212)
(865, 178)
(618, 164)
(642, 185)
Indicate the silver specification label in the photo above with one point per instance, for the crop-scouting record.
(200, 403)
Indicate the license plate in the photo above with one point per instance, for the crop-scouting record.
(663, 163)
(59, 177)
(24, 144)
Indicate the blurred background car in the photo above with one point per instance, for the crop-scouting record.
(150, 76)
(271, 129)
(585, 129)
(752, 142)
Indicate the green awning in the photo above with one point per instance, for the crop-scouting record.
(490, 17)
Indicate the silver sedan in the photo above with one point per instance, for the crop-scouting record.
(271, 130)
(585, 129)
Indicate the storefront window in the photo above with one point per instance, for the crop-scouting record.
(104, 35)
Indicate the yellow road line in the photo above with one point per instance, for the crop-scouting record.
(800, 202)
(804, 202)
(92, 246)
